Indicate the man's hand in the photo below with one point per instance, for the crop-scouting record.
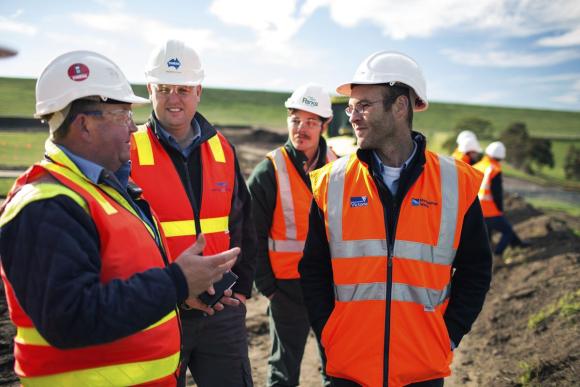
(201, 272)
(227, 299)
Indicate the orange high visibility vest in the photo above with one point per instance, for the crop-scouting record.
(461, 156)
(153, 170)
(290, 219)
(490, 169)
(150, 356)
(426, 240)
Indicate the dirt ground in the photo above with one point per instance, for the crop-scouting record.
(501, 350)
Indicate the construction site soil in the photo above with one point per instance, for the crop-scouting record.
(528, 331)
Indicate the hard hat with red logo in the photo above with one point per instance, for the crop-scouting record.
(77, 75)
(392, 68)
(311, 98)
(174, 63)
(496, 150)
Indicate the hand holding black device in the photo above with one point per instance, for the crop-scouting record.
(228, 280)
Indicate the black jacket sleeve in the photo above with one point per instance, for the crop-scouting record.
(472, 276)
(50, 254)
(243, 235)
(263, 188)
(316, 272)
(497, 191)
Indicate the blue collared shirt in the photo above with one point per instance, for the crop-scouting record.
(390, 175)
(168, 138)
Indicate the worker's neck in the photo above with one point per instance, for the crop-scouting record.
(396, 151)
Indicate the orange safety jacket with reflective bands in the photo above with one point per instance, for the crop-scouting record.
(290, 219)
(415, 295)
(153, 170)
(150, 356)
(490, 169)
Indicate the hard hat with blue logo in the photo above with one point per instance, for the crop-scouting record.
(311, 98)
(174, 63)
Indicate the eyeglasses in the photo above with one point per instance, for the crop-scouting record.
(361, 107)
(311, 123)
(182, 91)
(120, 116)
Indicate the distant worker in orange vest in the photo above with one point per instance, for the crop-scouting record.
(491, 198)
(468, 148)
(85, 267)
(281, 196)
(190, 174)
(396, 264)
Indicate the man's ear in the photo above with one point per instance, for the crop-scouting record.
(401, 105)
(80, 129)
(325, 124)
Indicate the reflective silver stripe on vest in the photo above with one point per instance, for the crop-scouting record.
(443, 253)
(376, 291)
(286, 246)
(335, 197)
(449, 210)
(285, 190)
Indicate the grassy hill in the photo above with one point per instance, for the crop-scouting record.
(266, 109)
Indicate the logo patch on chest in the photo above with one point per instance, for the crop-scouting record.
(359, 201)
(416, 202)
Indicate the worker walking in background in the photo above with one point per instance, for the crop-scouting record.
(84, 265)
(190, 175)
(396, 264)
(281, 196)
(468, 149)
(491, 198)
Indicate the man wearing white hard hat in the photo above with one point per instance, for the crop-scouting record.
(491, 198)
(396, 264)
(468, 150)
(467, 142)
(281, 197)
(190, 174)
(85, 267)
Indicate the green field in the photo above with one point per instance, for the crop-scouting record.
(266, 109)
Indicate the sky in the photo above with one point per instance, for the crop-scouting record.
(517, 53)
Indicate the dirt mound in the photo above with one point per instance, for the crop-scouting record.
(527, 333)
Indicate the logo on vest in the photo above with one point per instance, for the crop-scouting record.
(221, 186)
(359, 201)
(174, 62)
(416, 202)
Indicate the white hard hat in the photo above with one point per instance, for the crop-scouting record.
(465, 134)
(174, 63)
(391, 67)
(496, 150)
(469, 144)
(79, 74)
(311, 98)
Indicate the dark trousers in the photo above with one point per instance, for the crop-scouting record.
(336, 382)
(508, 236)
(289, 329)
(215, 348)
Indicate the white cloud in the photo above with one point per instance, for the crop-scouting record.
(400, 20)
(571, 38)
(148, 30)
(8, 25)
(505, 59)
(568, 99)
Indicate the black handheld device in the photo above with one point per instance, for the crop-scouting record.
(228, 280)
